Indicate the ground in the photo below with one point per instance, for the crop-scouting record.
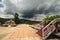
(4, 31)
(21, 32)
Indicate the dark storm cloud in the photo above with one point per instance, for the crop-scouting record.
(29, 8)
(28, 14)
(46, 11)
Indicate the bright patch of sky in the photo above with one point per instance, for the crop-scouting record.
(6, 16)
(2, 8)
(14, 1)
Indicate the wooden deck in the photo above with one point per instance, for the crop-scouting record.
(23, 32)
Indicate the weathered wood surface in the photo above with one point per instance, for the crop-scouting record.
(23, 32)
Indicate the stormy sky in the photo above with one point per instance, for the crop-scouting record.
(30, 9)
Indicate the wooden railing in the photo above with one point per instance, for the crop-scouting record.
(49, 29)
(46, 31)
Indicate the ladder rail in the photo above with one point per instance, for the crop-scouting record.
(53, 21)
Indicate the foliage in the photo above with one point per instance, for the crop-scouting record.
(2, 20)
(24, 21)
(16, 18)
(18, 21)
(48, 19)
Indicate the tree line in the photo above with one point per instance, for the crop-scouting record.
(48, 19)
(17, 20)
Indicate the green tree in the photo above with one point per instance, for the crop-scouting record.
(16, 18)
(48, 19)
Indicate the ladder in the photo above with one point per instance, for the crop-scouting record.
(49, 29)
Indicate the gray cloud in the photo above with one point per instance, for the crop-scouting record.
(30, 8)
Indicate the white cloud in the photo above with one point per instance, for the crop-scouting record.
(6, 16)
(14, 1)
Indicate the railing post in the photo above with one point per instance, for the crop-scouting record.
(43, 33)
